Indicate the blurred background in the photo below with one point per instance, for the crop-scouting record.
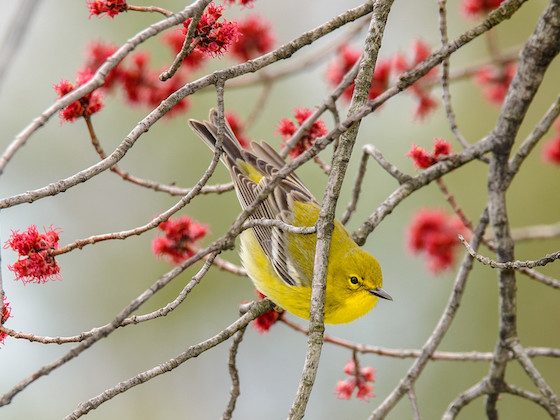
(100, 280)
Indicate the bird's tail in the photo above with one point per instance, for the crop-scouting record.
(208, 132)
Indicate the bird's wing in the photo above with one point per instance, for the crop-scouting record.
(248, 184)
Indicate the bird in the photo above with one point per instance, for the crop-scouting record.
(279, 262)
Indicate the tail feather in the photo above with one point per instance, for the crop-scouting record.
(208, 132)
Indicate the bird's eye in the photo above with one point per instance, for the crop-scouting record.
(354, 280)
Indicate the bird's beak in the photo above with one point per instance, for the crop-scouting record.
(379, 292)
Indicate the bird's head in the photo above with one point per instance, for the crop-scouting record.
(359, 273)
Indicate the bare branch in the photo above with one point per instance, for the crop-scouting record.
(537, 378)
(538, 132)
(508, 265)
(149, 9)
(536, 232)
(325, 222)
(446, 94)
(463, 399)
(542, 46)
(234, 374)
(414, 403)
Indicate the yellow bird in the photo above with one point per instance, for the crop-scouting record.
(279, 263)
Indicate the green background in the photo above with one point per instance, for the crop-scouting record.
(100, 280)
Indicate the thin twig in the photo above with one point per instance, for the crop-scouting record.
(464, 398)
(537, 399)
(545, 389)
(541, 278)
(446, 94)
(536, 134)
(536, 232)
(188, 44)
(149, 9)
(450, 198)
(234, 375)
(414, 404)
(508, 265)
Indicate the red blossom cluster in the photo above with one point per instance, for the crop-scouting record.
(435, 233)
(359, 379)
(477, 8)
(178, 243)
(142, 86)
(6, 312)
(421, 88)
(109, 7)
(238, 129)
(35, 262)
(287, 128)
(86, 106)
(422, 159)
(345, 60)
(96, 54)
(551, 150)
(264, 322)
(212, 37)
(495, 81)
(140, 83)
(255, 38)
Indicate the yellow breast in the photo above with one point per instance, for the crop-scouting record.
(339, 308)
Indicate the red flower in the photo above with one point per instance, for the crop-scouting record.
(6, 311)
(359, 379)
(109, 7)
(495, 81)
(255, 39)
(247, 3)
(86, 106)
(174, 39)
(142, 85)
(237, 128)
(287, 128)
(213, 37)
(96, 54)
(346, 58)
(264, 322)
(35, 263)
(475, 8)
(422, 159)
(420, 88)
(435, 233)
(551, 150)
(344, 389)
(178, 243)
